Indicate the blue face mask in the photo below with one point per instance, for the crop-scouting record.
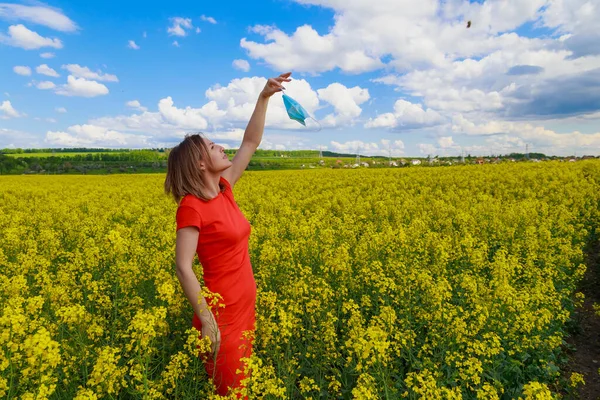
(295, 110)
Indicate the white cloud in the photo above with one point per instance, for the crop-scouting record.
(20, 36)
(179, 25)
(413, 34)
(60, 110)
(175, 43)
(307, 51)
(242, 65)
(227, 108)
(427, 149)
(8, 111)
(188, 118)
(521, 132)
(406, 115)
(46, 70)
(17, 138)
(446, 142)
(198, 30)
(84, 72)
(132, 45)
(208, 19)
(382, 148)
(51, 17)
(47, 55)
(345, 102)
(136, 105)
(22, 70)
(91, 135)
(81, 87)
(44, 85)
(52, 120)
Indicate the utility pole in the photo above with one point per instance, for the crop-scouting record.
(358, 155)
(527, 150)
(320, 153)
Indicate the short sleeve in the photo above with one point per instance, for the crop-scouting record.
(188, 216)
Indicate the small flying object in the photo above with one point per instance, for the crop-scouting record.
(469, 24)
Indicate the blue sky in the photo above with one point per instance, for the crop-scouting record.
(399, 76)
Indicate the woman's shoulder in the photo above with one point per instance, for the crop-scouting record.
(190, 200)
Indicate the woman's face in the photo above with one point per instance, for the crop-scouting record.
(220, 160)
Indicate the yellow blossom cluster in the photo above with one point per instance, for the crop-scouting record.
(441, 283)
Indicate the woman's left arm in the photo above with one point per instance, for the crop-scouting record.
(254, 130)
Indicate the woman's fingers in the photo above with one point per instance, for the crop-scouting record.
(274, 83)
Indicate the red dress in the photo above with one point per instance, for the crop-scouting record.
(223, 252)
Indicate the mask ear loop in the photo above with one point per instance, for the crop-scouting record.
(318, 123)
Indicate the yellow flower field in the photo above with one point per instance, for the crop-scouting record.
(434, 283)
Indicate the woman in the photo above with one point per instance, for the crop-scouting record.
(200, 177)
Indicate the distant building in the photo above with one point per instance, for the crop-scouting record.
(393, 164)
(415, 162)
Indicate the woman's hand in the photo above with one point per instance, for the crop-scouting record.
(211, 329)
(274, 85)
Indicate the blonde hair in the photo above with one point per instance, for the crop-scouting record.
(183, 168)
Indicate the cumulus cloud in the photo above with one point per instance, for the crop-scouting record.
(46, 70)
(136, 105)
(84, 72)
(81, 87)
(47, 55)
(94, 136)
(538, 135)
(242, 65)
(446, 142)
(45, 85)
(132, 45)
(412, 33)
(188, 118)
(8, 111)
(208, 19)
(406, 115)
(179, 25)
(229, 108)
(426, 148)
(345, 102)
(22, 70)
(381, 148)
(487, 72)
(20, 36)
(307, 51)
(176, 43)
(60, 110)
(38, 14)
